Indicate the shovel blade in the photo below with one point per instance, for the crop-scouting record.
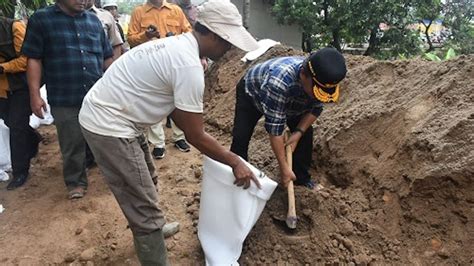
(291, 222)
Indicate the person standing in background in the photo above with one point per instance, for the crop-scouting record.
(154, 20)
(188, 8)
(66, 46)
(112, 7)
(110, 27)
(24, 140)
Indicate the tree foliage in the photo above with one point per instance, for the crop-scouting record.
(8, 6)
(458, 17)
(341, 22)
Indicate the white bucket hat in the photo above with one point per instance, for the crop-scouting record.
(109, 3)
(223, 18)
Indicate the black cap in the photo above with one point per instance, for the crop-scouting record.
(327, 65)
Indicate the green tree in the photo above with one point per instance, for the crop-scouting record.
(427, 11)
(325, 19)
(8, 6)
(366, 17)
(458, 17)
(339, 22)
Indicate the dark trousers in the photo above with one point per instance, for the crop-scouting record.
(24, 140)
(72, 145)
(245, 120)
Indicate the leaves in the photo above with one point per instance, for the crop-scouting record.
(343, 22)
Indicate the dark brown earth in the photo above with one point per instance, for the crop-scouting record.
(395, 155)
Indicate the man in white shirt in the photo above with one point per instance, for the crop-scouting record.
(110, 27)
(141, 88)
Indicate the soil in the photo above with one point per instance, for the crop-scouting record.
(395, 157)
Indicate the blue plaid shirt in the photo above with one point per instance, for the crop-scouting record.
(275, 89)
(72, 50)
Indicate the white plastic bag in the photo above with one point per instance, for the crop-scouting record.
(4, 176)
(227, 213)
(36, 122)
(5, 163)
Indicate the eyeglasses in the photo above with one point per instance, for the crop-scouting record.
(324, 92)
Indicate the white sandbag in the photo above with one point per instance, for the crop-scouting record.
(48, 119)
(5, 162)
(263, 46)
(227, 213)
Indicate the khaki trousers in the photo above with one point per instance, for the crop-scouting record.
(128, 170)
(156, 134)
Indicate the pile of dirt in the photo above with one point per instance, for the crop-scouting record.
(396, 156)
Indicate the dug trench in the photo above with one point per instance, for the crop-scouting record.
(395, 157)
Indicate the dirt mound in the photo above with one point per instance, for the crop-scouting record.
(396, 155)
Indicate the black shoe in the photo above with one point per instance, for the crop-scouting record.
(182, 145)
(17, 181)
(158, 153)
(168, 122)
(309, 184)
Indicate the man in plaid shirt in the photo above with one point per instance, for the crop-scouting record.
(287, 91)
(67, 48)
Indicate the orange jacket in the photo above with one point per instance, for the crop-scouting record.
(167, 18)
(16, 65)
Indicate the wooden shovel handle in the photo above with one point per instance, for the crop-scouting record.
(291, 191)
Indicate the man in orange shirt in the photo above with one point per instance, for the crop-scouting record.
(154, 20)
(24, 140)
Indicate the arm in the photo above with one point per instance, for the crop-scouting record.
(107, 50)
(186, 26)
(305, 122)
(108, 62)
(115, 38)
(33, 73)
(18, 64)
(134, 36)
(278, 147)
(117, 50)
(192, 125)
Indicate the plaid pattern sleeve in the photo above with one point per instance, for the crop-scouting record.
(34, 40)
(275, 88)
(273, 103)
(269, 85)
(72, 51)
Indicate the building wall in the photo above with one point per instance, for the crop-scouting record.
(263, 25)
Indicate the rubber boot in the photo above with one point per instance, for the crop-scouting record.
(151, 249)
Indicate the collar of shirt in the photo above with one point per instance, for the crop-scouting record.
(150, 6)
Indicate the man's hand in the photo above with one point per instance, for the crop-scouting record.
(152, 32)
(37, 106)
(193, 126)
(243, 175)
(287, 176)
